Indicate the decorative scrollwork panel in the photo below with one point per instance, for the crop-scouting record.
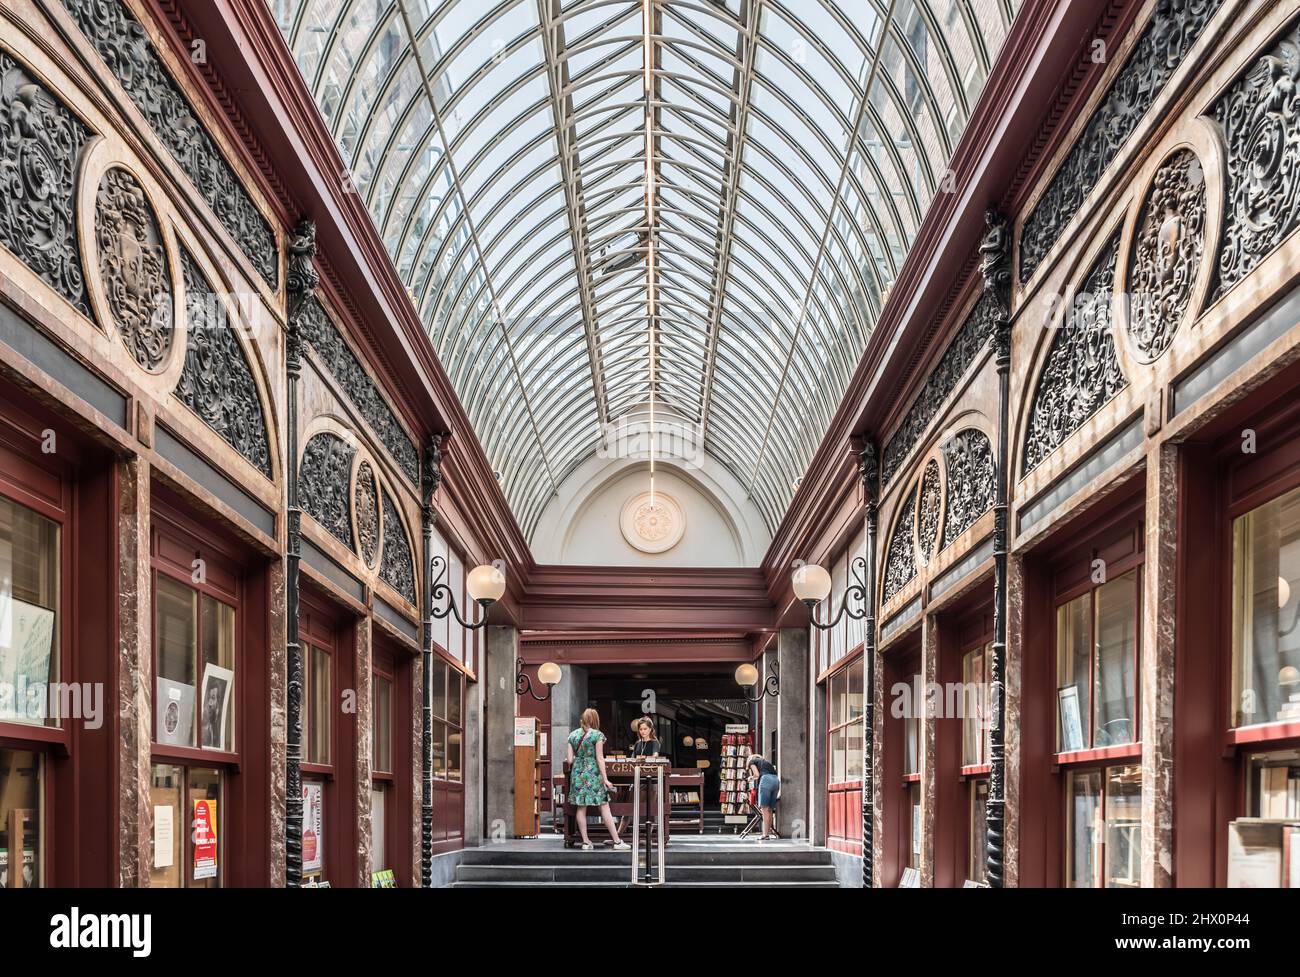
(217, 382)
(966, 345)
(1174, 28)
(931, 503)
(367, 510)
(1082, 371)
(125, 47)
(1167, 247)
(1260, 119)
(971, 490)
(133, 268)
(900, 558)
(41, 145)
(323, 478)
(397, 568)
(334, 352)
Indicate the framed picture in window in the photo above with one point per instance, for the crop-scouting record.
(217, 683)
(1067, 699)
(174, 712)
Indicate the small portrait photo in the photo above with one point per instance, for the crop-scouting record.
(215, 707)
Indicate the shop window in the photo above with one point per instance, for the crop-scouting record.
(1104, 827)
(977, 860)
(22, 793)
(194, 636)
(1096, 655)
(189, 837)
(1273, 785)
(381, 762)
(381, 729)
(916, 830)
(29, 615)
(1266, 614)
(975, 727)
(845, 727)
(317, 716)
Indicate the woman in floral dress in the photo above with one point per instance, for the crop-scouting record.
(589, 785)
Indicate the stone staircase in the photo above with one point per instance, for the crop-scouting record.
(768, 865)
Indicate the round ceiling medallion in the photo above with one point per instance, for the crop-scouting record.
(653, 525)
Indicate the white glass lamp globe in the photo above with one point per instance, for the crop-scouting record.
(812, 584)
(747, 675)
(486, 584)
(550, 673)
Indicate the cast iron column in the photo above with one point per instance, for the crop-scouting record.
(432, 476)
(995, 269)
(300, 284)
(870, 473)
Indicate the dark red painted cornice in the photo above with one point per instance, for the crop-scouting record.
(1041, 77)
(571, 598)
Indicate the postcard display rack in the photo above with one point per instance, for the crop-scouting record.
(737, 748)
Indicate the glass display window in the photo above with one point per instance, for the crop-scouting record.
(1266, 614)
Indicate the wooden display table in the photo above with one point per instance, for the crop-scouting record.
(621, 771)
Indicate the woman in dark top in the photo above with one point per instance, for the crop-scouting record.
(646, 744)
(769, 789)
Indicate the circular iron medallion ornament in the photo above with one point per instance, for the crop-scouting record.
(652, 525)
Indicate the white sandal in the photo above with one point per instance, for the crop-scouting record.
(588, 846)
(622, 846)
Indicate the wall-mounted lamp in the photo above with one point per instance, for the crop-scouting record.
(485, 584)
(747, 677)
(812, 585)
(548, 674)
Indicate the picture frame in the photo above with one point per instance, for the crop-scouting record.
(214, 707)
(174, 713)
(1070, 719)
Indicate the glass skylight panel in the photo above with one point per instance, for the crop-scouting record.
(772, 186)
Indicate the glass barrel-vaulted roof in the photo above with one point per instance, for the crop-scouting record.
(501, 149)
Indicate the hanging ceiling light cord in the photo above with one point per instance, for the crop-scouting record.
(651, 311)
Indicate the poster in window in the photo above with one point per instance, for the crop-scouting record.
(174, 713)
(26, 646)
(205, 838)
(217, 685)
(1071, 721)
(313, 826)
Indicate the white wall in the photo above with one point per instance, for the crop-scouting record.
(580, 526)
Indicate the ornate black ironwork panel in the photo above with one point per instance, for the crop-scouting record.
(397, 569)
(133, 268)
(217, 382)
(323, 486)
(1082, 371)
(1167, 249)
(1174, 27)
(952, 366)
(968, 464)
(367, 509)
(1260, 119)
(125, 47)
(927, 527)
(41, 144)
(900, 558)
(318, 329)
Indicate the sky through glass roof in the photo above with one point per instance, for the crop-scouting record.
(501, 149)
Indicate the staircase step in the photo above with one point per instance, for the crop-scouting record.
(625, 885)
(677, 855)
(712, 874)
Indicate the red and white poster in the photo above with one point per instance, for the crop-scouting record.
(313, 826)
(205, 839)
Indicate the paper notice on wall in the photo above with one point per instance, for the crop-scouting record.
(164, 838)
(525, 730)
